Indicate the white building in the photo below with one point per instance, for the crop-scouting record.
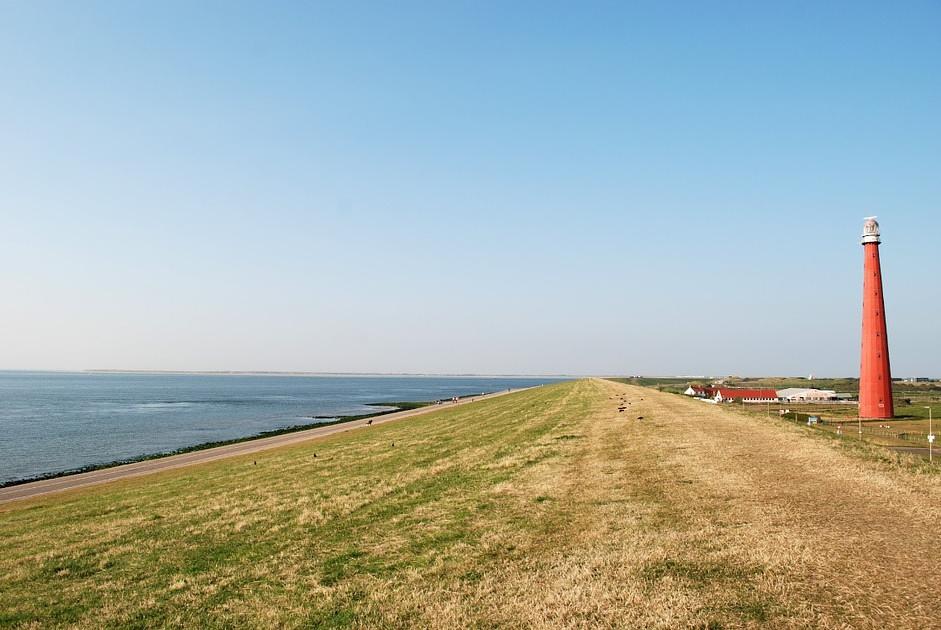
(804, 394)
(700, 391)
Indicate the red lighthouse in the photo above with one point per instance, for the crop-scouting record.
(875, 379)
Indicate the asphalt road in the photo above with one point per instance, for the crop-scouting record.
(916, 450)
(95, 477)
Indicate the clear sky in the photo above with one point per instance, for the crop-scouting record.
(491, 187)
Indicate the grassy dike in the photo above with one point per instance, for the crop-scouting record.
(545, 508)
(324, 533)
(321, 421)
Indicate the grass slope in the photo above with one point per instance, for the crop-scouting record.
(546, 508)
(323, 421)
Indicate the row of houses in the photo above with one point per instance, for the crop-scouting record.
(729, 394)
(790, 394)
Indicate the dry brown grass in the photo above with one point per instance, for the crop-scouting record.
(543, 509)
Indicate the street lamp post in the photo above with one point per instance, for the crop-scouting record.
(930, 436)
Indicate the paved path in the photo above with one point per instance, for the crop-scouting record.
(921, 451)
(95, 477)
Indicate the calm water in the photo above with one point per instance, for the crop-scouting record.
(51, 422)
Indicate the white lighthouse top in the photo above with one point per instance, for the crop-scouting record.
(871, 231)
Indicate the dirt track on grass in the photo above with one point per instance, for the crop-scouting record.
(854, 541)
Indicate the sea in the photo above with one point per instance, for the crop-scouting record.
(52, 422)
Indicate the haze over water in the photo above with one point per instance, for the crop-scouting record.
(52, 422)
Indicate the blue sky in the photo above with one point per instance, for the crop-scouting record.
(654, 188)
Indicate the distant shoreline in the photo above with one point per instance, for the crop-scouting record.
(289, 373)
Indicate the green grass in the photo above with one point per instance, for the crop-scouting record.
(322, 421)
(544, 508)
(220, 534)
(698, 573)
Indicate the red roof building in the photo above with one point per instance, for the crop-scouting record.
(728, 394)
(699, 391)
